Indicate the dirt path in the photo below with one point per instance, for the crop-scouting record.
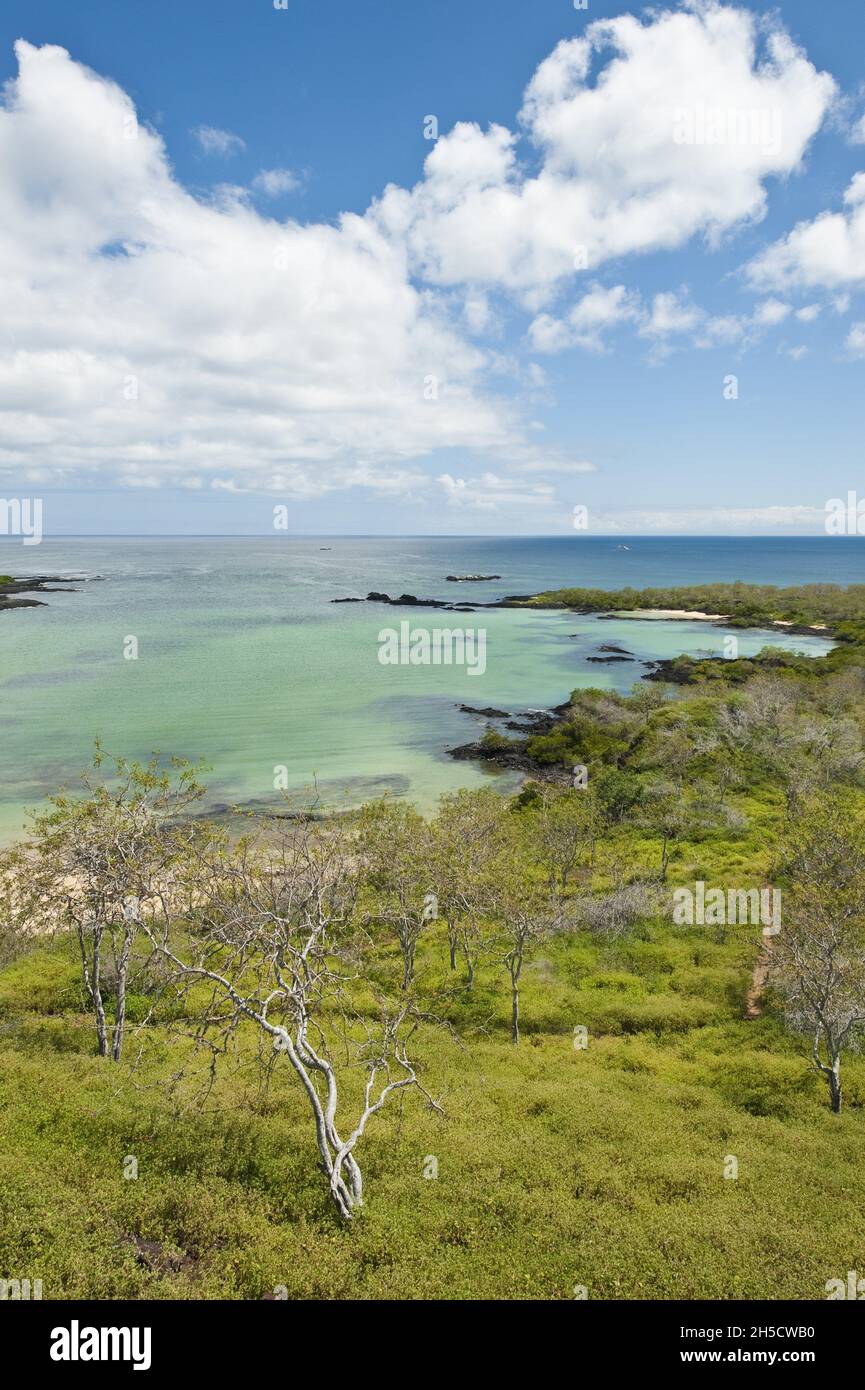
(754, 997)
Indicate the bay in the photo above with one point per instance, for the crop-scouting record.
(244, 661)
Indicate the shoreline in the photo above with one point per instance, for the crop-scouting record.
(630, 614)
(516, 758)
(598, 604)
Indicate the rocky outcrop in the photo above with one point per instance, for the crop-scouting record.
(11, 590)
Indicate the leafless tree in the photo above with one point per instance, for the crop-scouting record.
(278, 940)
(94, 858)
(524, 918)
(819, 956)
(469, 840)
(394, 849)
(614, 913)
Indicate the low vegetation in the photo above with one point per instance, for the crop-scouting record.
(473, 1055)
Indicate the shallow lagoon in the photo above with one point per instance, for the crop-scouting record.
(244, 661)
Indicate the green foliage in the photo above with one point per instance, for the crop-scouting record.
(494, 742)
(556, 1164)
(746, 603)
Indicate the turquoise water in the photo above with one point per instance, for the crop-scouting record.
(244, 661)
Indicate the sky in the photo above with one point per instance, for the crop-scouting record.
(478, 267)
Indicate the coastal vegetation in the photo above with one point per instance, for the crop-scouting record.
(474, 1054)
(747, 605)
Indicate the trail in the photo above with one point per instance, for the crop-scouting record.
(754, 997)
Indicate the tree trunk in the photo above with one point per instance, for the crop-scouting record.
(120, 1013)
(516, 967)
(834, 1079)
(91, 971)
(470, 965)
(408, 972)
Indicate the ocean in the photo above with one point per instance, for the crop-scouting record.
(242, 659)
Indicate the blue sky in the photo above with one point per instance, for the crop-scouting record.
(422, 368)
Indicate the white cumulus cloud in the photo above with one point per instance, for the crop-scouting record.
(826, 252)
(614, 175)
(149, 336)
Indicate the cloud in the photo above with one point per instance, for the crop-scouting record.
(595, 314)
(149, 336)
(491, 492)
(709, 520)
(770, 313)
(827, 252)
(478, 314)
(672, 320)
(545, 464)
(274, 182)
(855, 341)
(614, 175)
(670, 315)
(218, 142)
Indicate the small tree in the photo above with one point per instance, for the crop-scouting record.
(94, 863)
(525, 917)
(646, 698)
(395, 848)
(562, 829)
(279, 941)
(469, 838)
(819, 957)
(665, 813)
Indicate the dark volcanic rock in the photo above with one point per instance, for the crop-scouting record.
(488, 713)
(412, 601)
(668, 671)
(36, 584)
(406, 601)
(515, 757)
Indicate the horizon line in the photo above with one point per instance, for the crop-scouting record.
(439, 535)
